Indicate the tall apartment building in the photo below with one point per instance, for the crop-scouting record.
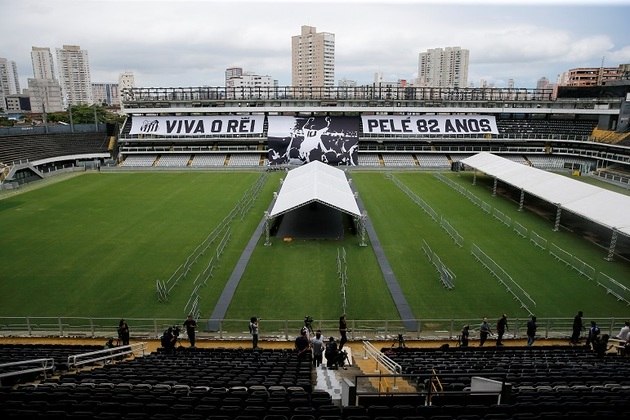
(43, 64)
(443, 67)
(9, 81)
(313, 58)
(44, 89)
(74, 75)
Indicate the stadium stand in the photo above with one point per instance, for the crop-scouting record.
(24, 148)
(204, 160)
(139, 161)
(229, 384)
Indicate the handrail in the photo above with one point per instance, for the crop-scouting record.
(108, 354)
(143, 329)
(47, 363)
(380, 358)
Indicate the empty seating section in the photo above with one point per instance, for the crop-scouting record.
(191, 381)
(11, 353)
(523, 128)
(433, 161)
(139, 161)
(545, 378)
(178, 161)
(208, 160)
(390, 159)
(546, 162)
(368, 159)
(242, 384)
(517, 158)
(244, 159)
(38, 147)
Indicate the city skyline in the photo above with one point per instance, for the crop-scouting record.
(193, 42)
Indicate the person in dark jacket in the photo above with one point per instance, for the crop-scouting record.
(578, 327)
(531, 330)
(502, 326)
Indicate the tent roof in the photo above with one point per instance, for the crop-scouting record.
(315, 181)
(601, 206)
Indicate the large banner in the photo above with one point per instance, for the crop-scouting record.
(429, 124)
(299, 140)
(194, 125)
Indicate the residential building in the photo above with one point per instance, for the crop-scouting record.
(242, 85)
(43, 64)
(18, 103)
(591, 76)
(106, 93)
(443, 67)
(45, 95)
(74, 75)
(313, 58)
(9, 82)
(44, 88)
(543, 83)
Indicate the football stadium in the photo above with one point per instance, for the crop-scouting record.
(408, 215)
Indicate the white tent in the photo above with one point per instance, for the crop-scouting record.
(319, 182)
(604, 207)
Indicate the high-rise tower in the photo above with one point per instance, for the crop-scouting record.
(446, 67)
(313, 58)
(74, 75)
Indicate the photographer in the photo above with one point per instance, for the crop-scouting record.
(308, 324)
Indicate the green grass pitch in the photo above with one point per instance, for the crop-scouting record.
(94, 246)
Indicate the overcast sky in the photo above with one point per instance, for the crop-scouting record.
(191, 42)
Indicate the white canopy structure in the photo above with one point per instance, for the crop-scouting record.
(319, 182)
(604, 207)
(315, 182)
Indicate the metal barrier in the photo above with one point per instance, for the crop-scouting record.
(108, 354)
(42, 365)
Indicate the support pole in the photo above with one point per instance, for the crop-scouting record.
(267, 227)
(556, 225)
(494, 187)
(475, 178)
(362, 229)
(522, 200)
(613, 244)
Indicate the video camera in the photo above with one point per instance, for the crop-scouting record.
(308, 323)
(176, 331)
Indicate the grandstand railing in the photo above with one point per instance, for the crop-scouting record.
(43, 365)
(75, 361)
(142, 329)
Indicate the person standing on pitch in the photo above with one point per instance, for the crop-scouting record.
(191, 325)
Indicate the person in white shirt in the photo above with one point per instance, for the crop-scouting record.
(624, 333)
